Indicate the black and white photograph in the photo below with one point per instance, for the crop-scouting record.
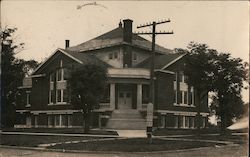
(124, 78)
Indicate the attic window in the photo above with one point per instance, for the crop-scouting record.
(115, 55)
(134, 56)
(110, 55)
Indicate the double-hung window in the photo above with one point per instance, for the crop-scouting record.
(27, 98)
(113, 55)
(183, 93)
(51, 90)
(134, 56)
(58, 93)
(61, 94)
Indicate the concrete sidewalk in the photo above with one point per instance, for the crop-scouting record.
(196, 140)
(121, 133)
(55, 134)
(131, 133)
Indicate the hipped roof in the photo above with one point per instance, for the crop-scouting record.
(115, 37)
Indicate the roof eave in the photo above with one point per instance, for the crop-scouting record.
(60, 50)
(172, 62)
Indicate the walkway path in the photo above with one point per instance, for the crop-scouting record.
(56, 134)
(131, 133)
(69, 142)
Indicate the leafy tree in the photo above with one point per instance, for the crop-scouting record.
(87, 84)
(198, 66)
(228, 81)
(13, 71)
(211, 71)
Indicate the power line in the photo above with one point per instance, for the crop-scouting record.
(152, 76)
(153, 33)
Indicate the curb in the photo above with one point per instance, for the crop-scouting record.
(113, 152)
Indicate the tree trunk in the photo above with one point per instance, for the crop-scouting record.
(223, 115)
(87, 120)
(86, 125)
(223, 118)
(198, 103)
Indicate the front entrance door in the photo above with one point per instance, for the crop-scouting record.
(124, 100)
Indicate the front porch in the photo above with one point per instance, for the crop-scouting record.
(126, 96)
(127, 89)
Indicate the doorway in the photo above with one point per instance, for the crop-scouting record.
(124, 100)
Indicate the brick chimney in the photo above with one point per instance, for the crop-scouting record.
(127, 37)
(66, 44)
(127, 30)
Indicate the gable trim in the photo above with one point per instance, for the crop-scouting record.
(57, 50)
(172, 62)
(70, 56)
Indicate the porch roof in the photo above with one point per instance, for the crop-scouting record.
(129, 73)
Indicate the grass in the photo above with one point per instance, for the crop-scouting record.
(170, 131)
(61, 130)
(132, 145)
(33, 140)
(124, 145)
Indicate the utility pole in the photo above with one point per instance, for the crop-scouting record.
(152, 67)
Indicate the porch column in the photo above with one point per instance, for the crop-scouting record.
(139, 96)
(112, 96)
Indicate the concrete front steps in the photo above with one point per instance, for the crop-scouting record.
(128, 119)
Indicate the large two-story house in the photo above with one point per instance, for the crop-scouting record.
(45, 98)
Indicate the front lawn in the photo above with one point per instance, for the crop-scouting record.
(132, 145)
(34, 140)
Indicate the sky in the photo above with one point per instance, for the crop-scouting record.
(44, 25)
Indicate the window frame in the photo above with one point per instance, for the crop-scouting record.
(28, 99)
(115, 55)
(51, 121)
(61, 76)
(54, 94)
(185, 97)
(135, 56)
(110, 56)
(59, 120)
